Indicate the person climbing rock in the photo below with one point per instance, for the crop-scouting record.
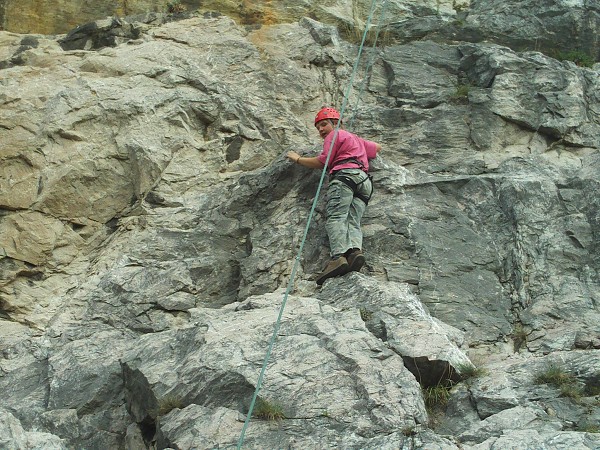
(349, 191)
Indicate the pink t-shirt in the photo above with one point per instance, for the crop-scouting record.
(347, 145)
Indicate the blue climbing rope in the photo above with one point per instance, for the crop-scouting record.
(310, 216)
(369, 64)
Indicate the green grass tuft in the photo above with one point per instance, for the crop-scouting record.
(266, 410)
(589, 428)
(175, 7)
(436, 397)
(354, 35)
(579, 57)
(554, 375)
(519, 336)
(469, 371)
(409, 431)
(365, 314)
(169, 403)
(571, 390)
(461, 95)
(560, 378)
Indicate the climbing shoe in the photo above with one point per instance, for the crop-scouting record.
(336, 267)
(355, 259)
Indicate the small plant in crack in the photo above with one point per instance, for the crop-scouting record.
(409, 431)
(175, 7)
(355, 34)
(461, 95)
(168, 404)
(470, 371)
(268, 410)
(589, 428)
(437, 397)
(519, 337)
(553, 375)
(579, 57)
(560, 378)
(365, 314)
(571, 391)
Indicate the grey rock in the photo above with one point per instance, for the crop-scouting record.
(516, 400)
(62, 422)
(516, 418)
(82, 375)
(25, 374)
(12, 435)
(558, 440)
(430, 349)
(554, 25)
(558, 108)
(333, 391)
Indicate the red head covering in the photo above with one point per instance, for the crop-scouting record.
(326, 113)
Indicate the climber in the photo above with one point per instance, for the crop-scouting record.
(349, 191)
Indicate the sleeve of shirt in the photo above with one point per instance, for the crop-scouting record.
(371, 148)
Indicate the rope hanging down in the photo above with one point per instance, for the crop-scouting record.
(369, 64)
(297, 259)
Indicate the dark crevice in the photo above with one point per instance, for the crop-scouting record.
(431, 373)
(148, 429)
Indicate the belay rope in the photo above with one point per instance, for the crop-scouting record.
(312, 210)
(369, 64)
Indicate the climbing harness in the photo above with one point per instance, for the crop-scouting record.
(297, 259)
(354, 186)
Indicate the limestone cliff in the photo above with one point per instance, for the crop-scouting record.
(150, 223)
(58, 17)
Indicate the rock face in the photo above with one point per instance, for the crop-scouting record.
(555, 27)
(150, 225)
(58, 17)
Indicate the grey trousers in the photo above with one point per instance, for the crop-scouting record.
(345, 211)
